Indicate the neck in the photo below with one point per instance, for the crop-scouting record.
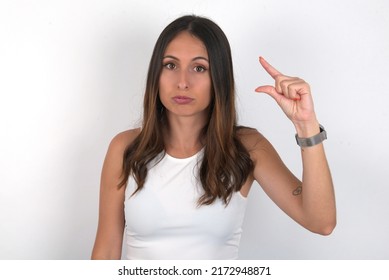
(183, 135)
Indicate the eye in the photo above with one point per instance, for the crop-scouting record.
(170, 66)
(199, 69)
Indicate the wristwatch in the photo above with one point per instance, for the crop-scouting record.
(314, 140)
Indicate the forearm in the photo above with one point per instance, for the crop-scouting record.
(318, 199)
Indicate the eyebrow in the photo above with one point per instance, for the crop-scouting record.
(195, 58)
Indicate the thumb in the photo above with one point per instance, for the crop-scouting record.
(270, 90)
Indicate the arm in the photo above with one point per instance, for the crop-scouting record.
(312, 201)
(109, 237)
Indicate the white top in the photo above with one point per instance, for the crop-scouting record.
(164, 221)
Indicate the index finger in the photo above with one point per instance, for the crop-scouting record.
(273, 72)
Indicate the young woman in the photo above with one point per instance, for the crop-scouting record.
(177, 186)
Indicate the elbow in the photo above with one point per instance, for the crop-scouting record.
(325, 229)
(322, 226)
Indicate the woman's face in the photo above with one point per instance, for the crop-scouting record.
(185, 81)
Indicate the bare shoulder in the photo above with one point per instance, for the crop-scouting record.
(112, 167)
(250, 138)
(255, 143)
(117, 147)
(120, 142)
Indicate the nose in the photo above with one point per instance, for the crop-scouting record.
(183, 82)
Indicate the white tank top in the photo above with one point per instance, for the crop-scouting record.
(164, 221)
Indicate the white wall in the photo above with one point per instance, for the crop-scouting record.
(72, 75)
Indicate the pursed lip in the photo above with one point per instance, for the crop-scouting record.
(180, 99)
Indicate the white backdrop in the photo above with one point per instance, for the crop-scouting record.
(72, 76)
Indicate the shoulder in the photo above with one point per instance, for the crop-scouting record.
(250, 137)
(112, 167)
(120, 142)
(255, 143)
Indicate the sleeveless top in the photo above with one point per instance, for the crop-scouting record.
(164, 220)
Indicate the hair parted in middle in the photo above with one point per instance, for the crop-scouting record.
(226, 163)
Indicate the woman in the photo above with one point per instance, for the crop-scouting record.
(178, 185)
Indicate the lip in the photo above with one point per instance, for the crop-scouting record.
(182, 100)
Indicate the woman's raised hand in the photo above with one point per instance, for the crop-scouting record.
(292, 94)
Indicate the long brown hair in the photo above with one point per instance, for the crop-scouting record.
(226, 163)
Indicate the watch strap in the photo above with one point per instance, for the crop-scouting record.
(314, 140)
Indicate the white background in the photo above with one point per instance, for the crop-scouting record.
(72, 75)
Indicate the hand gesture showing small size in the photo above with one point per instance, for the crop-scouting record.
(292, 94)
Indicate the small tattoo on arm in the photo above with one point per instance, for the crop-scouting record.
(298, 190)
